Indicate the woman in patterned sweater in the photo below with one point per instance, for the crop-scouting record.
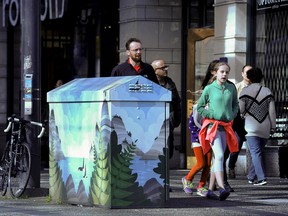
(257, 105)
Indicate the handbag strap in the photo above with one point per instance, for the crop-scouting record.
(251, 102)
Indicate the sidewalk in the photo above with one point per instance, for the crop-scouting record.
(271, 199)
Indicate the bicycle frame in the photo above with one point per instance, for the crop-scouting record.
(24, 122)
(17, 156)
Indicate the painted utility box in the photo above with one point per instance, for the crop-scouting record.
(108, 142)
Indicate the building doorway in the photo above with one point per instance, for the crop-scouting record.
(199, 55)
(83, 43)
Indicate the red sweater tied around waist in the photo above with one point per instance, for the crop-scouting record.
(207, 138)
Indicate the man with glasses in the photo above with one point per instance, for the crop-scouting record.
(134, 65)
(161, 70)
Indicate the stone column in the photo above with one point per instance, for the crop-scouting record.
(230, 34)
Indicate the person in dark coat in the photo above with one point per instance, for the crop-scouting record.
(134, 66)
(161, 70)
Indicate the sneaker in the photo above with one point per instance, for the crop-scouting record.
(187, 186)
(250, 181)
(228, 187)
(211, 195)
(202, 191)
(262, 182)
(223, 194)
(231, 174)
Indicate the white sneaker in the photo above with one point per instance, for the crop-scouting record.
(202, 191)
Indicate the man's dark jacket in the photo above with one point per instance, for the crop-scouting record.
(126, 69)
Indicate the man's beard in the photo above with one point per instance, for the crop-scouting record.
(136, 58)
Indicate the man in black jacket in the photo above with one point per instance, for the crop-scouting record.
(161, 70)
(134, 65)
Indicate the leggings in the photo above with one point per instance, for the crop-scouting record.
(218, 148)
(203, 162)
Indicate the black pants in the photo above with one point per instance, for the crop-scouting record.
(233, 157)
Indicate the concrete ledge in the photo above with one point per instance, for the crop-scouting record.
(30, 193)
(36, 192)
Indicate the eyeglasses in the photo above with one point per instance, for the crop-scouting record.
(164, 68)
(137, 50)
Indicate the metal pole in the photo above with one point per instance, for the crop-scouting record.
(183, 153)
(31, 80)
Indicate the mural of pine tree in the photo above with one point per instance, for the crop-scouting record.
(125, 191)
(162, 165)
(100, 184)
(57, 188)
(163, 171)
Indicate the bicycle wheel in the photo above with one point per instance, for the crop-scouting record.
(4, 169)
(19, 171)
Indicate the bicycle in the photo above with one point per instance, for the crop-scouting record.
(15, 164)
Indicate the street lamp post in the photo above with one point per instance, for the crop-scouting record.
(31, 81)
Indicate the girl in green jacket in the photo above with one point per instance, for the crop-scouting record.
(219, 105)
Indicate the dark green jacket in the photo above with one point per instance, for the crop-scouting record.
(219, 102)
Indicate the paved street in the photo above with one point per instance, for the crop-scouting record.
(271, 199)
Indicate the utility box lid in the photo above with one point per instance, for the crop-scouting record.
(122, 88)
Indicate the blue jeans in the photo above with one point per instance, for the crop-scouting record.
(256, 146)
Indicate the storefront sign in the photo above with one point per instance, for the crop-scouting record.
(11, 10)
(271, 4)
